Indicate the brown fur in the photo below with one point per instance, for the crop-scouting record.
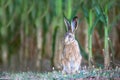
(71, 57)
(71, 52)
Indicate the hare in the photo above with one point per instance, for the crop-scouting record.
(71, 57)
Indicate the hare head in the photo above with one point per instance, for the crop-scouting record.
(71, 28)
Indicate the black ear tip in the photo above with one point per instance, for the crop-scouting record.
(75, 18)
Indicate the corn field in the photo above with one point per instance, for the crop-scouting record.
(32, 31)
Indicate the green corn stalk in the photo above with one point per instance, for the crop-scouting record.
(105, 21)
(69, 12)
(58, 12)
(106, 43)
(53, 45)
(104, 11)
(89, 33)
(58, 6)
(4, 33)
(38, 15)
(68, 9)
(89, 13)
(106, 48)
(24, 20)
(90, 37)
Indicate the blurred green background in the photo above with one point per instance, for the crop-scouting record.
(32, 31)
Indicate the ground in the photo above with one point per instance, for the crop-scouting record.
(85, 74)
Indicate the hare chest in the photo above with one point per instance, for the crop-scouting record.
(71, 52)
(71, 59)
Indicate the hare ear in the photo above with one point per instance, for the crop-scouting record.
(74, 23)
(68, 26)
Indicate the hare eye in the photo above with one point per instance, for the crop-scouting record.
(70, 36)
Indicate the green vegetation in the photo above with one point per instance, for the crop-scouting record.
(32, 32)
(84, 74)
